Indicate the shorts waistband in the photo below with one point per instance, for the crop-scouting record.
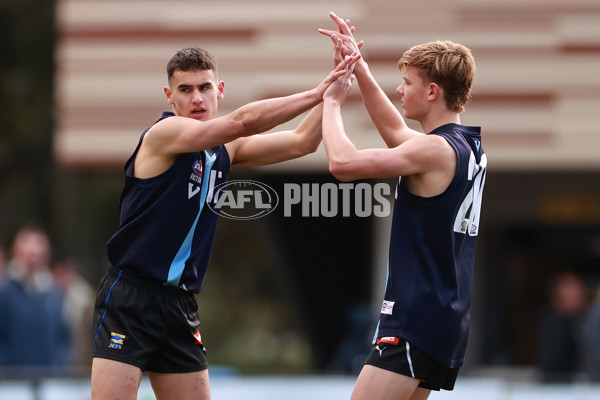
(141, 281)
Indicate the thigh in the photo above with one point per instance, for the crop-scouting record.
(182, 386)
(421, 394)
(114, 380)
(375, 383)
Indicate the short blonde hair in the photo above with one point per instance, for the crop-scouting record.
(446, 63)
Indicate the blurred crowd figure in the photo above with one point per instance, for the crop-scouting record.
(78, 307)
(2, 262)
(43, 306)
(570, 332)
(591, 339)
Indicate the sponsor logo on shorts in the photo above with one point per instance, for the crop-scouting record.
(389, 339)
(380, 350)
(198, 337)
(387, 307)
(116, 341)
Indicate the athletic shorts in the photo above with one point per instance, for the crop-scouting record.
(148, 325)
(397, 355)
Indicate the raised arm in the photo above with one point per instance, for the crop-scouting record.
(383, 113)
(177, 135)
(173, 136)
(429, 161)
(285, 145)
(280, 146)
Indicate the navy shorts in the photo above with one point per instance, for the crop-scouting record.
(397, 355)
(148, 325)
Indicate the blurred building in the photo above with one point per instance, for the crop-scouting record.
(536, 94)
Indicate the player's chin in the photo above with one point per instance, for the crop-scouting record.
(408, 114)
(199, 116)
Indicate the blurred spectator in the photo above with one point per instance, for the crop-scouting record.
(561, 339)
(33, 331)
(78, 307)
(591, 334)
(2, 263)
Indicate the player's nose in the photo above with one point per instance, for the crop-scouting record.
(197, 98)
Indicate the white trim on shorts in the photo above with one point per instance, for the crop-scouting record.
(410, 365)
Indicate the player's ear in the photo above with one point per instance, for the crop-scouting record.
(434, 91)
(221, 89)
(168, 94)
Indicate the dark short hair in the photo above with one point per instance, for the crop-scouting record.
(190, 59)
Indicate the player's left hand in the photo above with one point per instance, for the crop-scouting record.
(339, 71)
(345, 32)
(338, 90)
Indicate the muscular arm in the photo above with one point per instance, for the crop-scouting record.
(428, 161)
(285, 145)
(386, 117)
(279, 146)
(177, 135)
(383, 113)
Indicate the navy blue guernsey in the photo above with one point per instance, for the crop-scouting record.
(432, 255)
(166, 231)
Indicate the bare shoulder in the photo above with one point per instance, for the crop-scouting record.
(443, 155)
(430, 147)
(155, 154)
(437, 160)
(168, 125)
(440, 145)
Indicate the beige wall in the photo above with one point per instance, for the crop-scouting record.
(536, 94)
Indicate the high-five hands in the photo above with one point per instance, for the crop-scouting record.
(339, 72)
(338, 90)
(343, 38)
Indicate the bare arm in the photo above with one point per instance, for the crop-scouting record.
(285, 145)
(383, 113)
(177, 135)
(429, 161)
(279, 146)
(386, 117)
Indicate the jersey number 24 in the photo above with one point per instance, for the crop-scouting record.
(467, 218)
